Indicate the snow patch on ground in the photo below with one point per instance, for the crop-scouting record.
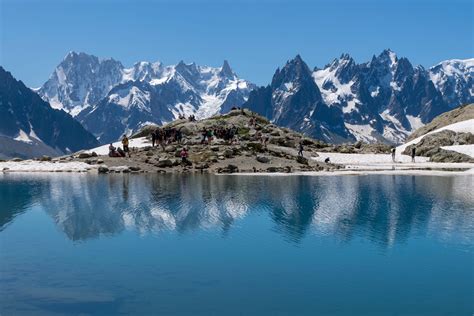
(134, 142)
(366, 159)
(384, 162)
(459, 127)
(44, 166)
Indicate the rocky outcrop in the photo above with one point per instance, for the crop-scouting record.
(430, 146)
(459, 114)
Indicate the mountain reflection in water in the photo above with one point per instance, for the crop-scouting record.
(382, 209)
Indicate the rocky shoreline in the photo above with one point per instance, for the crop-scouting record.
(258, 147)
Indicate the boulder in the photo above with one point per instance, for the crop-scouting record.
(429, 144)
(275, 169)
(228, 169)
(134, 168)
(84, 155)
(170, 148)
(201, 166)
(255, 146)
(45, 158)
(91, 161)
(302, 160)
(449, 156)
(164, 163)
(103, 169)
(228, 153)
(263, 159)
(93, 154)
(16, 159)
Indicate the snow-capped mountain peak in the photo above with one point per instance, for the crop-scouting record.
(454, 79)
(87, 87)
(381, 100)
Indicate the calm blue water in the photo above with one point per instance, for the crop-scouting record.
(225, 245)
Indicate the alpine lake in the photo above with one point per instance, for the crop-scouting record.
(82, 244)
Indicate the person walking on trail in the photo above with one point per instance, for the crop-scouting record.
(413, 153)
(300, 150)
(125, 145)
(393, 154)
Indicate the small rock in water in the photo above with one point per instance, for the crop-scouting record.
(103, 169)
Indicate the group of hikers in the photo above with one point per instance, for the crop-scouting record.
(165, 136)
(119, 152)
(225, 133)
(191, 118)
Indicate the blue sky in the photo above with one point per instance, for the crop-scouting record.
(255, 36)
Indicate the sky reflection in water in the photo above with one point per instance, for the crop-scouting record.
(232, 244)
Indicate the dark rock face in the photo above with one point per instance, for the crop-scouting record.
(291, 95)
(27, 119)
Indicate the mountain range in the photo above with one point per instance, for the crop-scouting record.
(29, 127)
(110, 100)
(384, 99)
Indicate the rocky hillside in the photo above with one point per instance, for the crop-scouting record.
(29, 127)
(448, 138)
(462, 113)
(258, 146)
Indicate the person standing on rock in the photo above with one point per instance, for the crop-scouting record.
(125, 145)
(393, 154)
(153, 138)
(300, 150)
(184, 156)
(413, 153)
